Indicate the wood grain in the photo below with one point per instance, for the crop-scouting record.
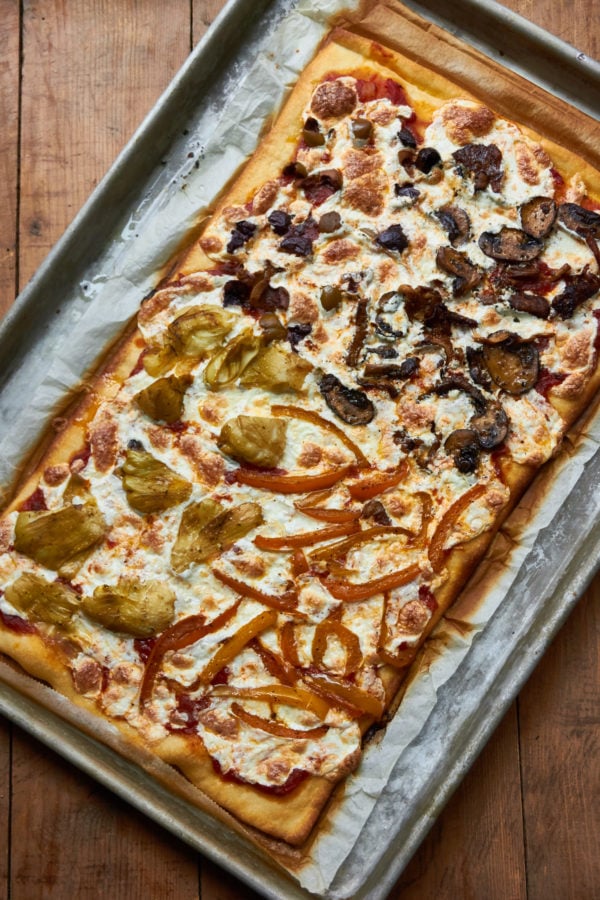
(524, 823)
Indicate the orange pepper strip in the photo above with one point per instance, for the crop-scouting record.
(329, 515)
(285, 603)
(183, 633)
(299, 564)
(420, 539)
(307, 415)
(347, 638)
(291, 484)
(305, 539)
(233, 645)
(401, 658)
(289, 648)
(377, 483)
(277, 693)
(345, 590)
(274, 664)
(437, 553)
(363, 537)
(345, 695)
(275, 727)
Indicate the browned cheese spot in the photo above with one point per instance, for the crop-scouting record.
(333, 99)
(465, 123)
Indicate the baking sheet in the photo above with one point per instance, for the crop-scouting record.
(163, 209)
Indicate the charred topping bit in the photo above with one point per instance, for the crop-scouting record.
(392, 238)
(134, 444)
(279, 221)
(456, 223)
(583, 222)
(510, 244)
(484, 162)
(329, 222)
(362, 130)
(295, 170)
(463, 445)
(320, 186)
(242, 233)
(299, 239)
(267, 298)
(297, 333)
(406, 158)
(426, 159)
(425, 304)
(361, 321)
(406, 190)
(406, 369)
(311, 133)
(407, 138)
(537, 216)
(384, 352)
(375, 510)
(513, 364)
(235, 293)
(467, 275)
(350, 405)
(578, 289)
(533, 304)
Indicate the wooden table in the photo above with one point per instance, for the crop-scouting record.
(75, 79)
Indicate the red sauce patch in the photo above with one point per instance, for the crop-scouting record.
(17, 624)
(177, 427)
(222, 676)
(83, 455)
(427, 598)
(319, 193)
(547, 381)
(375, 87)
(143, 647)
(34, 502)
(139, 364)
(596, 314)
(296, 777)
(190, 707)
(559, 185)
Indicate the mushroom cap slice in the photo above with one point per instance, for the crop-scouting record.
(456, 263)
(513, 365)
(538, 216)
(534, 304)
(579, 219)
(510, 244)
(456, 223)
(349, 405)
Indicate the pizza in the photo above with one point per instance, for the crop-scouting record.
(287, 469)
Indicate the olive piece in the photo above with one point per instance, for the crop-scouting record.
(259, 440)
(311, 134)
(295, 170)
(456, 263)
(407, 190)
(510, 244)
(537, 216)
(329, 222)
(512, 364)
(427, 158)
(534, 304)
(350, 405)
(279, 221)
(362, 129)
(272, 328)
(331, 296)
(392, 238)
(463, 445)
(456, 222)
(407, 137)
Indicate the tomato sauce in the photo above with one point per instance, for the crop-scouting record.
(35, 502)
(296, 777)
(17, 624)
(547, 381)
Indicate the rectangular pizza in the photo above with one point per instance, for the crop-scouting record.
(287, 469)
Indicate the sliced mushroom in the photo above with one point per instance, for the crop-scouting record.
(361, 322)
(510, 244)
(578, 289)
(466, 274)
(513, 364)
(537, 216)
(477, 368)
(579, 219)
(392, 238)
(406, 369)
(456, 222)
(350, 405)
(463, 445)
(534, 304)
(484, 162)
(490, 421)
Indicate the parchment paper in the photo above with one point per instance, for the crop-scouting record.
(223, 137)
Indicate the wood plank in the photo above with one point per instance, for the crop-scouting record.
(86, 85)
(475, 849)
(575, 21)
(559, 714)
(9, 148)
(203, 13)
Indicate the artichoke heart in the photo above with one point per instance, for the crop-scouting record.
(276, 370)
(199, 330)
(132, 606)
(158, 359)
(227, 364)
(50, 601)
(150, 485)
(206, 530)
(259, 440)
(163, 399)
(60, 540)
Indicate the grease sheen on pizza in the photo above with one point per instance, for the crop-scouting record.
(290, 466)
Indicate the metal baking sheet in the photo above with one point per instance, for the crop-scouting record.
(76, 273)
